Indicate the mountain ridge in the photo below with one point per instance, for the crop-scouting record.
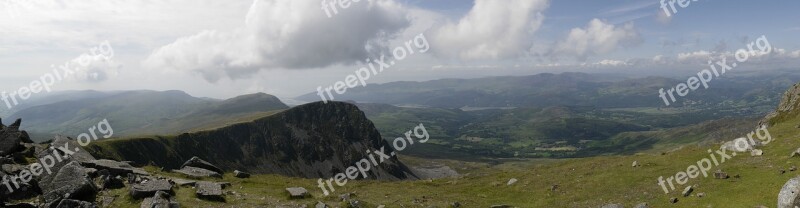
(311, 140)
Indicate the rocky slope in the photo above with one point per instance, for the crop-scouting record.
(787, 108)
(312, 140)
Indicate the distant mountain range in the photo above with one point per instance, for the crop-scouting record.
(139, 112)
(545, 115)
(577, 89)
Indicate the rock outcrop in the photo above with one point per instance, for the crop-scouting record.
(315, 140)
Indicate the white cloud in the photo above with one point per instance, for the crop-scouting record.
(609, 62)
(695, 56)
(597, 38)
(288, 34)
(491, 30)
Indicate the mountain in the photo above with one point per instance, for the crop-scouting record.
(312, 140)
(579, 89)
(141, 112)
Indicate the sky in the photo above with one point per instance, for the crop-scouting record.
(287, 48)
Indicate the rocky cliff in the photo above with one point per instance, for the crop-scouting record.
(787, 108)
(312, 140)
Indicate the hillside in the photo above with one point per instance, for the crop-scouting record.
(312, 140)
(553, 132)
(140, 112)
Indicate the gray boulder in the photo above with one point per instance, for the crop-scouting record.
(183, 182)
(70, 203)
(687, 191)
(240, 174)
(20, 205)
(148, 188)
(208, 190)
(612, 206)
(70, 182)
(115, 168)
(200, 163)
(160, 200)
(67, 143)
(11, 137)
(195, 172)
(297, 192)
(789, 197)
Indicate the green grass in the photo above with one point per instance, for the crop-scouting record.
(584, 182)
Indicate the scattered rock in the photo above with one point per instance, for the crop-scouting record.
(115, 168)
(641, 205)
(354, 204)
(347, 196)
(554, 187)
(111, 182)
(69, 203)
(321, 205)
(500, 206)
(69, 182)
(796, 153)
(240, 174)
(11, 137)
(209, 190)
(789, 197)
(781, 171)
(701, 195)
(455, 205)
(183, 182)
(20, 205)
(12, 168)
(793, 168)
(673, 200)
(224, 184)
(612, 206)
(511, 181)
(297, 192)
(148, 188)
(195, 172)
(200, 163)
(719, 174)
(756, 152)
(635, 164)
(79, 154)
(160, 200)
(688, 190)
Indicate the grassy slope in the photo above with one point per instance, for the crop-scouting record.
(586, 182)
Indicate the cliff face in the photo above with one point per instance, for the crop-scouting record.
(787, 108)
(312, 140)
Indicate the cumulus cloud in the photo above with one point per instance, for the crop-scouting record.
(491, 30)
(598, 37)
(99, 69)
(286, 34)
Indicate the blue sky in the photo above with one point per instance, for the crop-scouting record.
(285, 47)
